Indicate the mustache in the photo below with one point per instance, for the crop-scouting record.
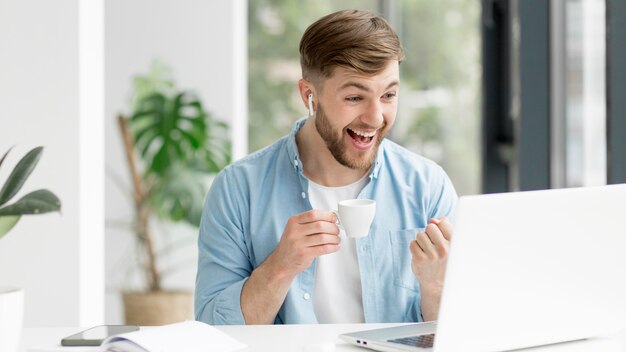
(367, 127)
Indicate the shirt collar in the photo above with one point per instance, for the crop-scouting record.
(379, 158)
(292, 147)
(294, 156)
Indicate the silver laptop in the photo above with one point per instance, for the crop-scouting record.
(525, 269)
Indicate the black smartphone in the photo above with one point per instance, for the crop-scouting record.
(94, 336)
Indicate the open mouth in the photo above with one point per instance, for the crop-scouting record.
(361, 137)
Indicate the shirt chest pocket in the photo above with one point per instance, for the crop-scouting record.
(402, 274)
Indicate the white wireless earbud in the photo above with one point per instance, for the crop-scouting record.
(311, 112)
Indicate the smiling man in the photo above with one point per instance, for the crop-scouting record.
(270, 250)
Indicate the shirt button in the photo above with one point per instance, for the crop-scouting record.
(295, 163)
(306, 296)
(303, 195)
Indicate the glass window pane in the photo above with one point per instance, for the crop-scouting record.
(439, 112)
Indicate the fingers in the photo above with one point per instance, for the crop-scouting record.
(314, 222)
(322, 235)
(432, 242)
(444, 226)
(434, 234)
(425, 244)
(321, 239)
(415, 249)
(315, 215)
(323, 249)
(314, 228)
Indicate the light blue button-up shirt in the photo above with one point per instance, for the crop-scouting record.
(251, 200)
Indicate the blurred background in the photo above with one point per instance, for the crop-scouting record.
(506, 95)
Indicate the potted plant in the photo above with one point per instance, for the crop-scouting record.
(172, 144)
(36, 202)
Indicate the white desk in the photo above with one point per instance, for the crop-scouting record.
(259, 338)
(294, 338)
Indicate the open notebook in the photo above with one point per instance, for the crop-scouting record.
(188, 336)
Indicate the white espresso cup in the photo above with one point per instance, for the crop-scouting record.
(355, 216)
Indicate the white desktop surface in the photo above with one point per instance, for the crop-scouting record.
(259, 338)
(295, 338)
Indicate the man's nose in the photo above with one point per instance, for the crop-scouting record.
(374, 116)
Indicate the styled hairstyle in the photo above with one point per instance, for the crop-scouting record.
(352, 39)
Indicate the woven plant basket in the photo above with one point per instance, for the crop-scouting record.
(157, 308)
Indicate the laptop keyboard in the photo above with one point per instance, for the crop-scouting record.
(423, 341)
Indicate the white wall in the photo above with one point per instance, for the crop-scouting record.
(40, 104)
(50, 95)
(196, 39)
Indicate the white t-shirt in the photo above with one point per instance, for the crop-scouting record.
(337, 297)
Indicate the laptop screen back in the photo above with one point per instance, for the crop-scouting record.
(533, 268)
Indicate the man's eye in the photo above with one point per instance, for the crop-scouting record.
(389, 95)
(353, 99)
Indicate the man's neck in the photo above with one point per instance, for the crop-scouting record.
(319, 165)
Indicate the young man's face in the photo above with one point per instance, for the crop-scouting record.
(356, 111)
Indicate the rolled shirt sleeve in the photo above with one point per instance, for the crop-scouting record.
(223, 260)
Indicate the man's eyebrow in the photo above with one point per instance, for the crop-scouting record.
(363, 87)
(392, 84)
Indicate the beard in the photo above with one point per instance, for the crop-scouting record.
(336, 145)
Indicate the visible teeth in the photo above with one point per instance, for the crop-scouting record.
(364, 134)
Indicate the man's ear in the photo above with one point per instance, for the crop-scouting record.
(307, 89)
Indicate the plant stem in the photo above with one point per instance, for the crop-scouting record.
(142, 210)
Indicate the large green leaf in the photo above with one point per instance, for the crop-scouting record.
(7, 223)
(37, 202)
(168, 130)
(19, 175)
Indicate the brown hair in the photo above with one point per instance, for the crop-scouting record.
(353, 39)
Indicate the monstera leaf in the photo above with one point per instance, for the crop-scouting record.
(168, 130)
(37, 202)
(179, 144)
